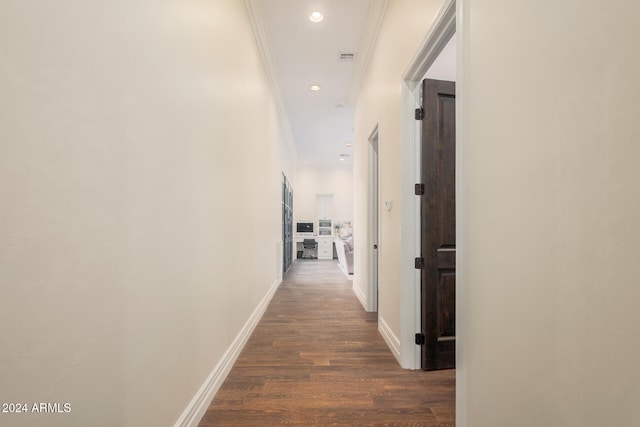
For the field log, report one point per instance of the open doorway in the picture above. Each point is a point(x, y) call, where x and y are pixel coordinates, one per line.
point(440, 37)
point(438, 213)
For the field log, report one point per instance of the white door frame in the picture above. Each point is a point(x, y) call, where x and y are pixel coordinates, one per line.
point(374, 221)
point(440, 32)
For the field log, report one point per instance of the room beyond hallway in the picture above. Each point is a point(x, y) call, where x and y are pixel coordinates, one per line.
point(316, 358)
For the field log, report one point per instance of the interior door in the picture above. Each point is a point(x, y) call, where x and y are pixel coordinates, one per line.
point(438, 225)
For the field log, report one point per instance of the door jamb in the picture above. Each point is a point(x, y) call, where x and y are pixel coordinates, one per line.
point(374, 229)
point(440, 32)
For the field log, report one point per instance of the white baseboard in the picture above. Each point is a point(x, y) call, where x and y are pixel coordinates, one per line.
point(345, 272)
point(200, 402)
point(361, 296)
point(392, 341)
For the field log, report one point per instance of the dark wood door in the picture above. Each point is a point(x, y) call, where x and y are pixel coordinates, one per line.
point(438, 225)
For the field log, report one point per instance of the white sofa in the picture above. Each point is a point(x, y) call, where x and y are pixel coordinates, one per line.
point(344, 249)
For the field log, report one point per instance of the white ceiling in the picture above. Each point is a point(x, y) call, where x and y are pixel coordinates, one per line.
point(300, 53)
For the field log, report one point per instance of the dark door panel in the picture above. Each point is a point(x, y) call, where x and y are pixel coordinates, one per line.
point(438, 225)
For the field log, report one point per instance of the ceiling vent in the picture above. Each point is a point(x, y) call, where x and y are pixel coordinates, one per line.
point(346, 57)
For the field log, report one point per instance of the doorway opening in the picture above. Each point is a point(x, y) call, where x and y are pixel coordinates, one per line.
point(442, 31)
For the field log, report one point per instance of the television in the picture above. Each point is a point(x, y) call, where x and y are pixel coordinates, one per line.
point(304, 227)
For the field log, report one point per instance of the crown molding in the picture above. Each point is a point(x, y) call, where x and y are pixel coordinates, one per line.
point(375, 17)
point(437, 37)
point(253, 10)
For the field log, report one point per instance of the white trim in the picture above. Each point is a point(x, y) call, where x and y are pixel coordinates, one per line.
point(410, 232)
point(462, 49)
point(373, 215)
point(200, 402)
point(375, 16)
point(253, 8)
point(360, 295)
point(345, 272)
point(437, 37)
point(392, 341)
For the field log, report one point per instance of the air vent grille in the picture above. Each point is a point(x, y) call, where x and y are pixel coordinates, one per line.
point(346, 57)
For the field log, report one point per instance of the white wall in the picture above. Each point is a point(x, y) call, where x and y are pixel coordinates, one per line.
point(444, 67)
point(130, 177)
point(311, 181)
point(380, 103)
point(548, 214)
point(547, 210)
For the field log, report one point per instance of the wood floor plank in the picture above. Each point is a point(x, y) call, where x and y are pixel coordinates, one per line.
point(317, 358)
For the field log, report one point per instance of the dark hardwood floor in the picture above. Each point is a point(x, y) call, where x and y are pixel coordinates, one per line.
point(317, 359)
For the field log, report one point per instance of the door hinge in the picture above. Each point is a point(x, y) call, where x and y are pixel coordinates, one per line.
point(420, 340)
point(419, 113)
point(419, 263)
point(419, 189)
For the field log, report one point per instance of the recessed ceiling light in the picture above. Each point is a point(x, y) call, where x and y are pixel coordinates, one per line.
point(316, 17)
point(348, 144)
point(314, 88)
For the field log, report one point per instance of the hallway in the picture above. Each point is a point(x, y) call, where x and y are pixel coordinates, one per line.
point(316, 358)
